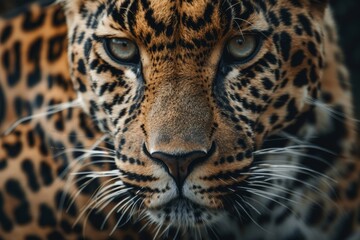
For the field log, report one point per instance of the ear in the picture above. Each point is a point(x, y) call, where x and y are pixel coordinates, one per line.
point(318, 6)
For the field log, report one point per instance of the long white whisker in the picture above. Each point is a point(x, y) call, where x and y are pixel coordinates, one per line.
point(70, 179)
point(282, 177)
point(50, 110)
point(296, 169)
point(248, 214)
point(250, 190)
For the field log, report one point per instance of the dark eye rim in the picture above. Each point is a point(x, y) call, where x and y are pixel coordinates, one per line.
point(135, 61)
point(229, 58)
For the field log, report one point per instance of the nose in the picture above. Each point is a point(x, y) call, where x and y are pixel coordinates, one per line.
point(180, 165)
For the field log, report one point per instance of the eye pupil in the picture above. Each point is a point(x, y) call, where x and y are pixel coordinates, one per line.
point(240, 41)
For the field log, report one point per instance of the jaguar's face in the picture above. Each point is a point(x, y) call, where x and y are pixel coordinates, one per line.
point(188, 90)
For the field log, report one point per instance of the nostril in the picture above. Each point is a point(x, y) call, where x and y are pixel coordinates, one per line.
point(180, 165)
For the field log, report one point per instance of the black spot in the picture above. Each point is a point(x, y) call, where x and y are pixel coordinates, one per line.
point(46, 216)
point(285, 45)
point(97, 219)
point(313, 74)
point(305, 23)
point(81, 37)
point(274, 118)
point(42, 145)
point(267, 83)
point(3, 164)
point(58, 18)
point(260, 128)
point(297, 58)
point(34, 55)
point(89, 186)
point(285, 16)
point(6, 33)
point(14, 68)
point(292, 110)
point(28, 167)
point(55, 235)
point(2, 104)
point(273, 18)
point(312, 48)
point(88, 130)
point(66, 226)
point(22, 213)
point(46, 173)
point(81, 67)
point(87, 48)
point(56, 47)
point(352, 190)
point(32, 237)
point(63, 203)
point(59, 124)
point(296, 3)
point(255, 92)
point(32, 22)
point(18, 106)
point(5, 222)
point(269, 57)
point(14, 189)
point(39, 100)
point(281, 101)
point(301, 78)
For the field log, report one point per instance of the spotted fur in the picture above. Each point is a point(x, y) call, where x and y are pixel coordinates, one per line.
point(185, 143)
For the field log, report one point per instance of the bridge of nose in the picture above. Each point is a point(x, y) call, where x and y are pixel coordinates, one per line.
point(179, 119)
point(178, 126)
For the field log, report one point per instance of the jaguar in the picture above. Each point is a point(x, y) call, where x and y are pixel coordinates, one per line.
point(181, 119)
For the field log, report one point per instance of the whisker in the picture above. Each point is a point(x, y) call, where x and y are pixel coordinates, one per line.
point(250, 205)
point(335, 114)
point(265, 184)
point(70, 179)
point(49, 110)
point(297, 169)
point(293, 147)
point(250, 190)
point(284, 177)
point(248, 214)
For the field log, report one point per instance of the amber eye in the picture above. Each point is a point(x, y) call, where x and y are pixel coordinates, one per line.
point(122, 50)
point(242, 48)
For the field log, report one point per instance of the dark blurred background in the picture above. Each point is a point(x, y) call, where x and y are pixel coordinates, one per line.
point(347, 14)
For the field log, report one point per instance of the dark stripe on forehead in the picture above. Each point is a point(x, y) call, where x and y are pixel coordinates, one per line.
point(118, 15)
point(236, 13)
point(226, 15)
point(158, 26)
point(131, 15)
point(197, 24)
point(186, 20)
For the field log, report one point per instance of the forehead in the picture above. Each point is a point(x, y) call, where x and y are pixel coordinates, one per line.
point(185, 16)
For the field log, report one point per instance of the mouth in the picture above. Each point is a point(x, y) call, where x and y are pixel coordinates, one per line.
point(182, 212)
